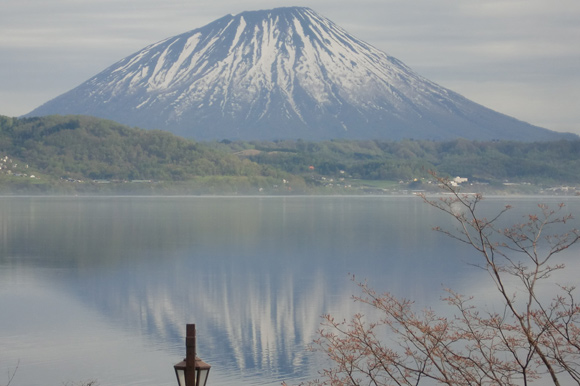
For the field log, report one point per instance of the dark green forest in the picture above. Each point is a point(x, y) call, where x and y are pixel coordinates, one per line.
point(541, 162)
point(78, 154)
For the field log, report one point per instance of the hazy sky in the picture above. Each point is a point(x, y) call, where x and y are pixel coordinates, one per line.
point(518, 57)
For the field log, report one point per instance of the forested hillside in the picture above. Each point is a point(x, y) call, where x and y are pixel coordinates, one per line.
point(555, 162)
point(76, 154)
point(82, 149)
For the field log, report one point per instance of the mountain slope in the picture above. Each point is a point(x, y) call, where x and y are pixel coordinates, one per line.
point(81, 147)
point(281, 73)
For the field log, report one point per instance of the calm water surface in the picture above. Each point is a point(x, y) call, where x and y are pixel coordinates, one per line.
point(101, 288)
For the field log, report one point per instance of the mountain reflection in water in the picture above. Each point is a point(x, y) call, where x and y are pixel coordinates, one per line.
point(108, 284)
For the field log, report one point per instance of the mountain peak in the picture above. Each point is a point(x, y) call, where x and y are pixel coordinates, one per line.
point(280, 73)
point(280, 11)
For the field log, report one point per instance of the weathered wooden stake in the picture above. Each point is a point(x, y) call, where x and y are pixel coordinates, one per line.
point(190, 355)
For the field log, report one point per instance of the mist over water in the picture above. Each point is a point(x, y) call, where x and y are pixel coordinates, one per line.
point(102, 287)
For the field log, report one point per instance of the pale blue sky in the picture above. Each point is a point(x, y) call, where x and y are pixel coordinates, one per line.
point(518, 57)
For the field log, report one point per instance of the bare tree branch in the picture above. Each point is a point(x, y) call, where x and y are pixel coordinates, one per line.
point(532, 339)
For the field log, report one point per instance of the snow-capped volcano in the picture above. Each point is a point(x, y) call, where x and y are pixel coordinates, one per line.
point(281, 73)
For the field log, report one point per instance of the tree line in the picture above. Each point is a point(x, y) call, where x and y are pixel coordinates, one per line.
point(81, 148)
point(88, 148)
point(538, 162)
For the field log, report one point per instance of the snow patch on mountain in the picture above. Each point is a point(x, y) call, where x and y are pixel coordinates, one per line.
point(281, 73)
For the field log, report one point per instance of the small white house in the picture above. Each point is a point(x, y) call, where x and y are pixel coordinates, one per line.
point(458, 180)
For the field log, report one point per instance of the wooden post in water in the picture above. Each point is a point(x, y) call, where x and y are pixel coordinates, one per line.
point(190, 355)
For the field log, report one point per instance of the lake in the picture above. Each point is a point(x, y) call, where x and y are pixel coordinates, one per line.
point(102, 287)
